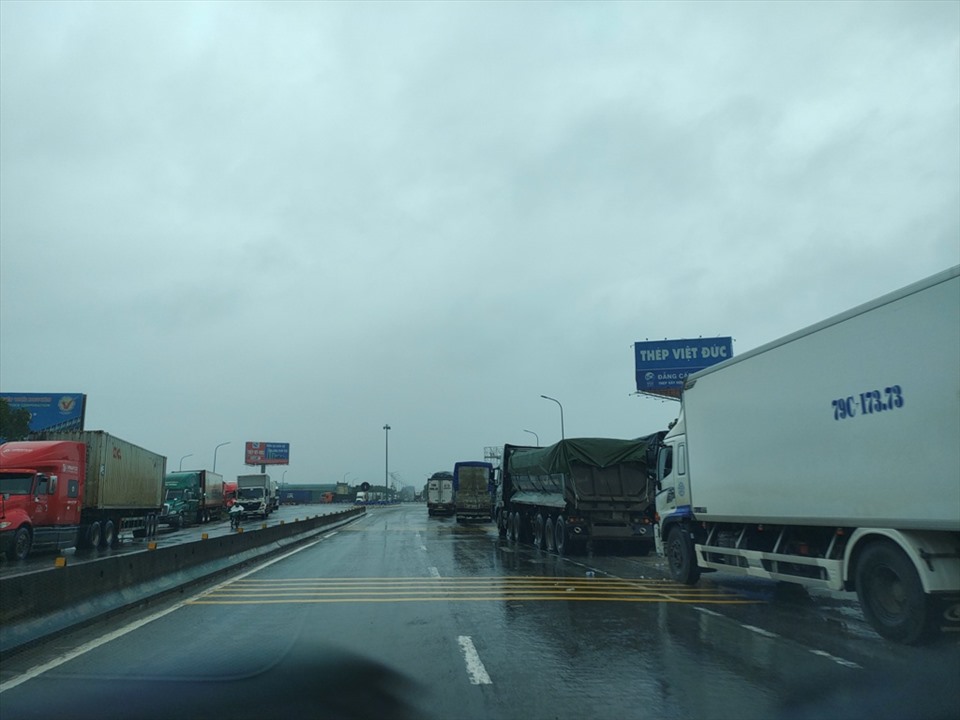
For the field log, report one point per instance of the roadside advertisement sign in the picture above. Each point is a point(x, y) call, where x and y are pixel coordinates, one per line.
point(267, 453)
point(663, 365)
point(58, 412)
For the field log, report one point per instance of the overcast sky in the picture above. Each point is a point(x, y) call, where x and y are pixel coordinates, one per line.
point(298, 222)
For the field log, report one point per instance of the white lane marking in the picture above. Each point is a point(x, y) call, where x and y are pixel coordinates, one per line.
point(434, 572)
point(760, 631)
point(331, 534)
point(838, 660)
point(423, 547)
point(714, 613)
point(475, 669)
point(126, 630)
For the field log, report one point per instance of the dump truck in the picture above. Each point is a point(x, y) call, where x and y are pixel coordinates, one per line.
point(580, 490)
point(192, 496)
point(472, 488)
point(76, 489)
point(830, 458)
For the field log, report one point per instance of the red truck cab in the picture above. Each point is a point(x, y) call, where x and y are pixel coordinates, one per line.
point(41, 491)
point(229, 493)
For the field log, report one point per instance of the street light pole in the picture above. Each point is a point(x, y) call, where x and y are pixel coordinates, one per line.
point(184, 458)
point(386, 456)
point(562, 433)
point(215, 454)
point(535, 435)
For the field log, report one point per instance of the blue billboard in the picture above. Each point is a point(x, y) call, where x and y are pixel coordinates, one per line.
point(663, 365)
point(58, 412)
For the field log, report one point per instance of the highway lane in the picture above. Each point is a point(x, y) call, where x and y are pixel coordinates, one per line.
point(482, 629)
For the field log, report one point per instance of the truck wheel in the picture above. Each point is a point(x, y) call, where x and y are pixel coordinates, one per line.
point(891, 594)
point(20, 547)
point(538, 529)
point(548, 531)
point(680, 556)
point(108, 537)
point(93, 535)
point(513, 523)
point(560, 535)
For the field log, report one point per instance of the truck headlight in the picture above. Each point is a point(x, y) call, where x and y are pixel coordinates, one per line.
point(4, 525)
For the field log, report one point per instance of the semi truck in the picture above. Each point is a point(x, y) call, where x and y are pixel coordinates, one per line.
point(472, 488)
point(830, 458)
point(580, 490)
point(256, 494)
point(76, 489)
point(191, 496)
point(440, 494)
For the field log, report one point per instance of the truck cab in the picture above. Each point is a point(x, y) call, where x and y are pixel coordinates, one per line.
point(41, 487)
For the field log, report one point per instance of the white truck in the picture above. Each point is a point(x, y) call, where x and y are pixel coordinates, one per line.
point(830, 458)
point(256, 494)
point(441, 497)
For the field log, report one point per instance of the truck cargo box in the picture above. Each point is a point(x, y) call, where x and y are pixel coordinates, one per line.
point(851, 422)
point(120, 475)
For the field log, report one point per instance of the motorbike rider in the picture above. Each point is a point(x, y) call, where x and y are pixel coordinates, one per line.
point(235, 512)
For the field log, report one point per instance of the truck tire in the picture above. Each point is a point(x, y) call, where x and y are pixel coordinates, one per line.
point(109, 534)
point(548, 530)
point(681, 557)
point(513, 523)
point(19, 548)
point(891, 594)
point(93, 535)
point(560, 536)
point(539, 527)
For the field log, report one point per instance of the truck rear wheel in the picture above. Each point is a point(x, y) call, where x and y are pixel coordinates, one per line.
point(109, 535)
point(891, 594)
point(512, 526)
point(681, 557)
point(93, 535)
point(19, 548)
point(560, 535)
point(539, 540)
point(548, 531)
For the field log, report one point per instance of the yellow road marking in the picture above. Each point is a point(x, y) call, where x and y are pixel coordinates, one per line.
point(430, 589)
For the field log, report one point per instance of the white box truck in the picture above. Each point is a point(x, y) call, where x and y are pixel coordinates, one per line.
point(255, 494)
point(440, 494)
point(830, 458)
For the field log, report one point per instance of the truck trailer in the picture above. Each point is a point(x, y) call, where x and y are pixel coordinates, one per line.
point(472, 488)
point(562, 496)
point(256, 494)
point(830, 458)
point(440, 494)
point(192, 496)
point(76, 489)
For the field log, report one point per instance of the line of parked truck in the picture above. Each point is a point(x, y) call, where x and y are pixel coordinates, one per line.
point(84, 489)
point(467, 493)
point(829, 458)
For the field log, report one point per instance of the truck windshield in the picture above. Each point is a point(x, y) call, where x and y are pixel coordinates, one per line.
point(16, 483)
point(174, 494)
point(250, 493)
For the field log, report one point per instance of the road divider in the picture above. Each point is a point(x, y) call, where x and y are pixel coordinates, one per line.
point(36, 605)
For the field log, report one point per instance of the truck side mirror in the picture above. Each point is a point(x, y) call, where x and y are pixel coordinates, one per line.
point(52, 487)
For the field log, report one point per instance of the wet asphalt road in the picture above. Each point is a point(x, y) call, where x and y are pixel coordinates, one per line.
point(481, 629)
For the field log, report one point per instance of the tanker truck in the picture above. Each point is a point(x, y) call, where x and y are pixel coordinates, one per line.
point(830, 458)
point(76, 489)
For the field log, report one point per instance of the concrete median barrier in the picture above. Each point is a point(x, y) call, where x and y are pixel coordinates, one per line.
point(37, 605)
